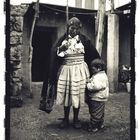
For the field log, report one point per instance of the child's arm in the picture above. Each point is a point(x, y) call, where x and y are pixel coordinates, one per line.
point(90, 86)
point(96, 85)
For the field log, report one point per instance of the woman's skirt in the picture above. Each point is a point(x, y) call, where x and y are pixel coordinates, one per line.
point(72, 79)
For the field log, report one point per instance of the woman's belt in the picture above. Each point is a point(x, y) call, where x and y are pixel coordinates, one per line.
point(73, 59)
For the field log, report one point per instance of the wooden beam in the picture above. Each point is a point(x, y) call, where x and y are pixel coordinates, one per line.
point(113, 52)
point(99, 26)
point(36, 15)
point(112, 5)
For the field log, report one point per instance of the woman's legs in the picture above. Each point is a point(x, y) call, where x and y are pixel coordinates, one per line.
point(65, 121)
point(75, 114)
point(66, 113)
point(76, 122)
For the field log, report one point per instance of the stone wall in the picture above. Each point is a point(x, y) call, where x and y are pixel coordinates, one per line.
point(16, 40)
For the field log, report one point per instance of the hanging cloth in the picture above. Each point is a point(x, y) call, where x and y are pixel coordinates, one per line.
point(47, 105)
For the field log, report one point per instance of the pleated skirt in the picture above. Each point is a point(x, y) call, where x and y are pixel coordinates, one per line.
point(72, 79)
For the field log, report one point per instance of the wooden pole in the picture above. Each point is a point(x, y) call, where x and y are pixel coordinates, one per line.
point(36, 15)
point(113, 51)
point(67, 17)
point(112, 5)
point(67, 11)
point(99, 30)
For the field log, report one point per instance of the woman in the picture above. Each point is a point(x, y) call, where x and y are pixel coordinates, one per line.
point(69, 67)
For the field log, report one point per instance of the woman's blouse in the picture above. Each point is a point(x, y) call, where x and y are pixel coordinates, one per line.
point(75, 46)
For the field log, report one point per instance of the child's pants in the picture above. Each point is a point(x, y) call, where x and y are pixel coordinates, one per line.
point(96, 110)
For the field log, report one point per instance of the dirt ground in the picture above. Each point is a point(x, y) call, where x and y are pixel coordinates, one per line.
point(29, 123)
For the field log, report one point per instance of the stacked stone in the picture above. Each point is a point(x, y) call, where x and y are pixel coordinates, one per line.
point(16, 31)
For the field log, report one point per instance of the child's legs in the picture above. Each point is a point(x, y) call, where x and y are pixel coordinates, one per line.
point(96, 110)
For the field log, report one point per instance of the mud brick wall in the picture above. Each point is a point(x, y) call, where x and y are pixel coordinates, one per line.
point(16, 40)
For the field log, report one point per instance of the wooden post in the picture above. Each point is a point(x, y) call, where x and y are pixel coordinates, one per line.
point(67, 11)
point(99, 26)
point(36, 15)
point(112, 5)
point(113, 51)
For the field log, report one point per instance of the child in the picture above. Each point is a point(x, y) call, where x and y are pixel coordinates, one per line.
point(98, 93)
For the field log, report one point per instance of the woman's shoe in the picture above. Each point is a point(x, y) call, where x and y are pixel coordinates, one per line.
point(77, 124)
point(64, 124)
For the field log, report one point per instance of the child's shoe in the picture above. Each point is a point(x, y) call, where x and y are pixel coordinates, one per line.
point(92, 128)
point(101, 126)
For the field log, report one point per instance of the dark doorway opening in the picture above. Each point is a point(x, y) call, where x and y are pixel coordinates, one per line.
point(42, 42)
point(125, 37)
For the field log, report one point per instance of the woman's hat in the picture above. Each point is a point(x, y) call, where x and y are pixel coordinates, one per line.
point(74, 21)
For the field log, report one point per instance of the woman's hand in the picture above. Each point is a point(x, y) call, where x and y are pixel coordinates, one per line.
point(64, 46)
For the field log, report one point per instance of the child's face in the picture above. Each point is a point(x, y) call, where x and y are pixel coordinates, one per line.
point(95, 70)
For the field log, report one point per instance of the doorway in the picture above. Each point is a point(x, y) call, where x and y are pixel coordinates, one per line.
point(43, 38)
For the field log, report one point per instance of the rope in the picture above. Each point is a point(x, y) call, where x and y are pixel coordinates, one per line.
point(63, 11)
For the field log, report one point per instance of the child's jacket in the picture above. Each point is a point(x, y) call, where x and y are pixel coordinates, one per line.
point(98, 87)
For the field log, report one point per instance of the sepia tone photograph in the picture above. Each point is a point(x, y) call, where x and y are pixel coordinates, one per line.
point(70, 70)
